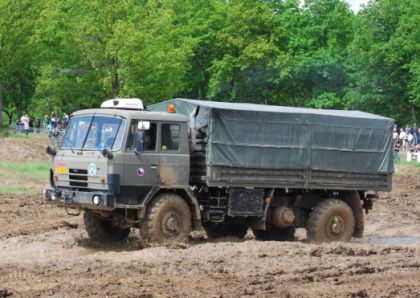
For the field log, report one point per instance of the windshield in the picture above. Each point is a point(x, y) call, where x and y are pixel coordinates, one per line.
point(94, 133)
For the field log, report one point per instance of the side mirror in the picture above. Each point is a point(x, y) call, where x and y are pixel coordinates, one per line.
point(143, 125)
point(51, 151)
point(106, 153)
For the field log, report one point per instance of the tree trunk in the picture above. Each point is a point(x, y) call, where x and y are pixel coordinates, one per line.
point(115, 78)
point(200, 93)
point(413, 114)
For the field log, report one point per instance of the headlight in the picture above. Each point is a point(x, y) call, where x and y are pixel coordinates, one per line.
point(96, 200)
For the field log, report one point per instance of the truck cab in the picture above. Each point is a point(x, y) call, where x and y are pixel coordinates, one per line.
point(114, 161)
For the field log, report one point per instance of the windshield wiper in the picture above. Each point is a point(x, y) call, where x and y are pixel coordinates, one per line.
point(71, 145)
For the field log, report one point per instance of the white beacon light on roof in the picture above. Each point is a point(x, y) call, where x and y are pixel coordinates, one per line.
point(123, 103)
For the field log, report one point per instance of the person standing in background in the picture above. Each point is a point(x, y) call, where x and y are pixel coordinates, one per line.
point(37, 124)
point(395, 136)
point(46, 121)
point(402, 138)
point(415, 135)
point(65, 120)
point(26, 123)
point(410, 141)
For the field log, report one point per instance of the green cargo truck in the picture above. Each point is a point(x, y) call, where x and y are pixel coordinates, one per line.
point(184, 165)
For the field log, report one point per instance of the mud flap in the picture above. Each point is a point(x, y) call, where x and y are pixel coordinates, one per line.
point(352, 198)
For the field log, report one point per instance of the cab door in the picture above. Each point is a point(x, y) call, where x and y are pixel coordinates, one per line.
point(141, 168)
point(174, 154)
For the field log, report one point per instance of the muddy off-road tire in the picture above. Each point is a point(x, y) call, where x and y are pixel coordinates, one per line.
point(275, 234)
point(233, 230)
point(168, 220)
point(102, 230)
point(331, 220)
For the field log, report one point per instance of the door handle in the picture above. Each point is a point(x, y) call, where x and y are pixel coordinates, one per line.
point(153, 167)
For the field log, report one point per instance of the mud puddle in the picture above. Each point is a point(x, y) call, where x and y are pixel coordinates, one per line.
point(388, 240)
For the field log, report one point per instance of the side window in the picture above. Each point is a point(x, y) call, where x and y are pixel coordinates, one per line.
point(147, 136)
point(150, 138)
point(170, 137)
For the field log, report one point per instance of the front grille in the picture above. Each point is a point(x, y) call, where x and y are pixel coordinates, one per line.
point(78, 171)
point(78, 178)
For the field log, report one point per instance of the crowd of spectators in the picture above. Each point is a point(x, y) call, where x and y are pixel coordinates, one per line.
point(406, 139)
point(51, 123)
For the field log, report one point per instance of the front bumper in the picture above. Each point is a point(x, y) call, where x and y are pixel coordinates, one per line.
point(96, 200)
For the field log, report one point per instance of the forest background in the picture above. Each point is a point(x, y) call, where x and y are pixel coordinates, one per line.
point(65, 55)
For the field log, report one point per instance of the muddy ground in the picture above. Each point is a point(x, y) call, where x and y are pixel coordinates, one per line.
point(45, 252)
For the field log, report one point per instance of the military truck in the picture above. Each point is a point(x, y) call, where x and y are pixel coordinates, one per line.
point(184, 165)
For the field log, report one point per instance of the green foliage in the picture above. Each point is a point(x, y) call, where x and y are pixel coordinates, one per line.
point(384, 60)
point(67, 55)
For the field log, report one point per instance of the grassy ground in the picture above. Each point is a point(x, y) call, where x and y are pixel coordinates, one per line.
point(39, 169)
point(5, 132)
point(403, 162)
point(23, 178)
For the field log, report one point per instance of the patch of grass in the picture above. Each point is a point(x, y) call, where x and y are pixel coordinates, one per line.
point(5, 175)
point(399, 173)
point(408, 163)
point(5, 132)
point(38, 170)
point(16, 189)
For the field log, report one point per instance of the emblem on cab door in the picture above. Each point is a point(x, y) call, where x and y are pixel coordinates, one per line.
point(140, 172)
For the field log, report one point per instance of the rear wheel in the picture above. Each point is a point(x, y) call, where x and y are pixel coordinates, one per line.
point(168, 220)
point(100, 229)
point(331, 220)
point(275, 234)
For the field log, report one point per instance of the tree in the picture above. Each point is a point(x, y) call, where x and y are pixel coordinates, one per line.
point(318, 35)
point(254, 54)
point(16, 55)
point(384, 60)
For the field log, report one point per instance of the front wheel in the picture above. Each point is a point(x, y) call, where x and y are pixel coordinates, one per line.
point(168, 220)
point(331, 220)
point(100, 229)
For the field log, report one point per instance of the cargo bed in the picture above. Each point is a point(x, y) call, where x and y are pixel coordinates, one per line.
point(249, 145)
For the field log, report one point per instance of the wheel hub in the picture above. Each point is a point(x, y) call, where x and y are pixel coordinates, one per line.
point(171, 224)
point(336, 225)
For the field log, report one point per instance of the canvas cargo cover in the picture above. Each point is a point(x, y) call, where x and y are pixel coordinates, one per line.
point(276, 137)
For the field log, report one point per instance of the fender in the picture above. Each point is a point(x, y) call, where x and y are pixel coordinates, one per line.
point(352, 198)
point(183, 192)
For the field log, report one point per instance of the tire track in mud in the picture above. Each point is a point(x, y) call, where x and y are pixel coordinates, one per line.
point(248, 268)
point(28, 215)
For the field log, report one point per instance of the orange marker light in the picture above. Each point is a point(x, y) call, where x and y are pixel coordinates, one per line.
point(171, 108)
